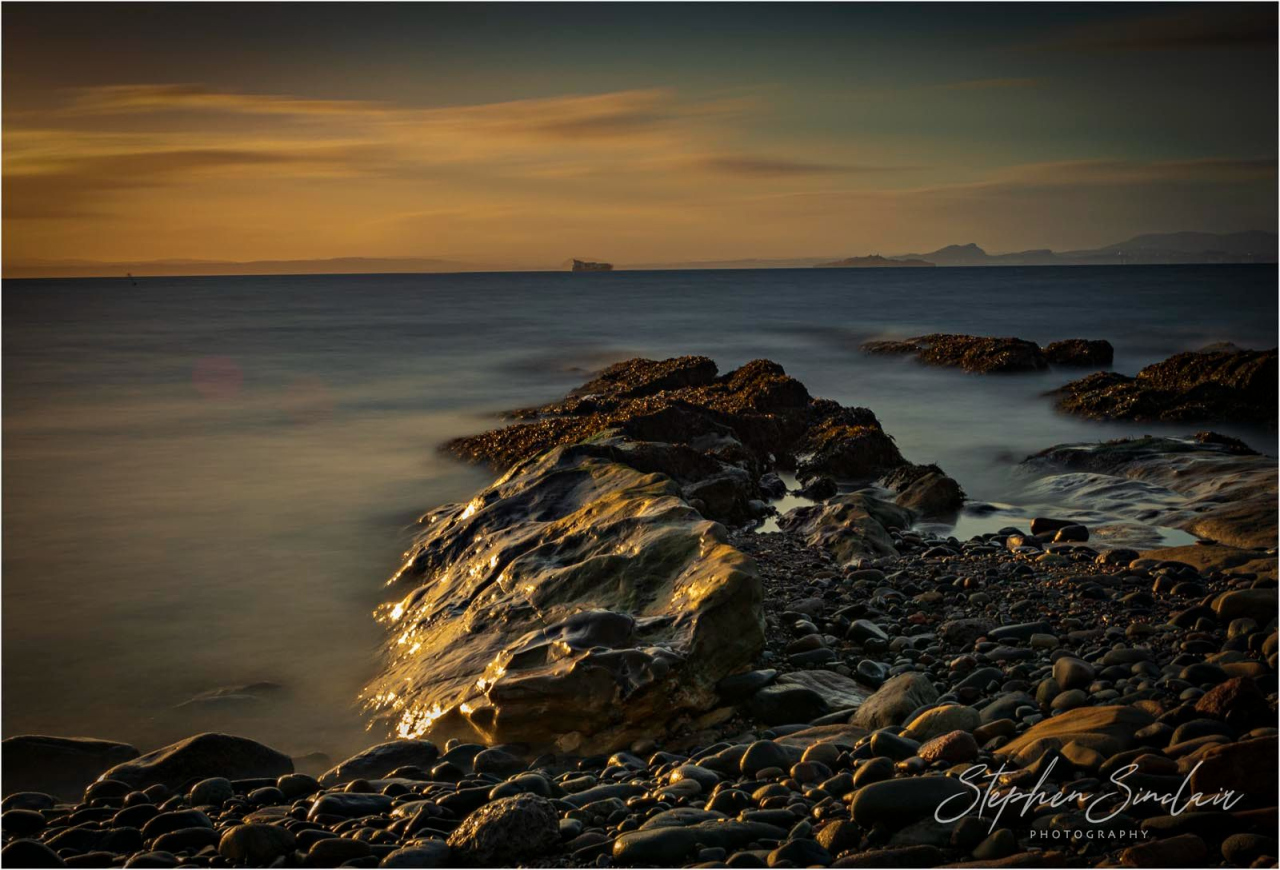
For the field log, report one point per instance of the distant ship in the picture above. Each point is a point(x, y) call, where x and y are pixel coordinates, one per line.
point(588, 266)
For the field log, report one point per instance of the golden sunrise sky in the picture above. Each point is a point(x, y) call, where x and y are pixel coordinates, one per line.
point(524, 134)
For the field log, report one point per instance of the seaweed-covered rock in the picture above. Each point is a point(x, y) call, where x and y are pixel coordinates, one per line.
point(749, 419)
point(973, 353)
point(1080, 352)
point(1186, 387)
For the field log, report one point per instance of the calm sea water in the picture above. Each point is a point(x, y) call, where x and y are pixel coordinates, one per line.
point(206, 480)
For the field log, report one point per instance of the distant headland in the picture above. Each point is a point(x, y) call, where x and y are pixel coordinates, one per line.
point(875, 261)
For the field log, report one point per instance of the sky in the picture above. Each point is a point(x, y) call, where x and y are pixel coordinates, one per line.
point(529, 133)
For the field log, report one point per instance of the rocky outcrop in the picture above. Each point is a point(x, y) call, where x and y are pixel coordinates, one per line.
point(590, 596)
point(989, 355)
point(578, 601)
point(1238, 386)
point(696, 424)
point(1211, 486)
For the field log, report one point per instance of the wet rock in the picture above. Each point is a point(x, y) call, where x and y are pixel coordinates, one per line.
point(377, 761)
point(575, 547)
point(199, 757)
point(1186, 387)
point(1199, 484)
point(255, 845)
point(508, 830)
point(350, 805)
point(849, 526)
point(59, 765)
point(925, 490)
point(893, 702)
point(973, 353)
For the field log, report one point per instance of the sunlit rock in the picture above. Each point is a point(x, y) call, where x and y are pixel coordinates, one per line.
point(576, 599)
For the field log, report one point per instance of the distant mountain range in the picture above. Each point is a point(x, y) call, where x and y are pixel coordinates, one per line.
point(1155, 249)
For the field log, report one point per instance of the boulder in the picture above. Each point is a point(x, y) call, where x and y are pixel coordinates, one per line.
point(377, 761)
point(1245, 602)
point(850, 527)
point(1112, 727)
point(925, 490)
point(893, 702)
point(511, 830)
point(200, 757)
point(58, 765)
point(577, 595)
point(255, 845)
point(1247, 768)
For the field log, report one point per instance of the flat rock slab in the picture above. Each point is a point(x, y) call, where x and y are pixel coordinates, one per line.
point(837, 690)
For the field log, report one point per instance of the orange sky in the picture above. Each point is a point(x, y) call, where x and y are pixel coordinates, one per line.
point(640, 164)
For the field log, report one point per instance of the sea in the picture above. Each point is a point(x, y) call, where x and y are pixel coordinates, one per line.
point(208, 480)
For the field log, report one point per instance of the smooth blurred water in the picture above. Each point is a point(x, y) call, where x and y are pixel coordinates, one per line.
point(206, 480)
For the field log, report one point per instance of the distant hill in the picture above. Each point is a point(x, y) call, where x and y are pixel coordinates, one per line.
point(875, 261)
point(1153, 249)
